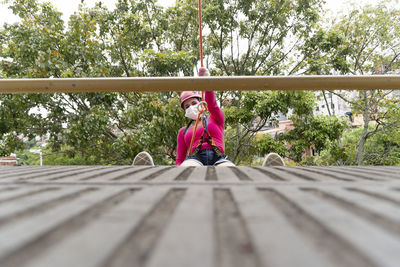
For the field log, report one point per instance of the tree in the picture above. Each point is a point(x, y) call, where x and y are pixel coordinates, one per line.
point(367, 42)
point(381, 149)
point(97, 42)
point(256, 38)
point(139, 38)
point(250, 111)
point(384, 148)
point(268, 144)
point(317, 132)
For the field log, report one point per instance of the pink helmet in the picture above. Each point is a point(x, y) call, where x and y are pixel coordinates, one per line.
point(188, 94)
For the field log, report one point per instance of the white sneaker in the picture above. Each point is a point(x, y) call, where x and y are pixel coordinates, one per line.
point(273, 159)
point(143, 158)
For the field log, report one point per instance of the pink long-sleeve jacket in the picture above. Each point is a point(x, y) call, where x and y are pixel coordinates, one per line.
point(215, 129)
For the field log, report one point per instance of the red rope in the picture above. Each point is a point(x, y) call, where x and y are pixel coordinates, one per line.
point(201, 36)
point(201, 43)
point(194, 134)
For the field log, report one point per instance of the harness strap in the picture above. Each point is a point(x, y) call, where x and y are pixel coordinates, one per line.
point(211, 142)
point(187, 127)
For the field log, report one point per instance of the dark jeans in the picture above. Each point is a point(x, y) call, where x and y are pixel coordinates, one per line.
point(208, 157)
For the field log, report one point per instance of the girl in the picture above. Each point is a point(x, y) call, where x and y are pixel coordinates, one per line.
point(208, 144)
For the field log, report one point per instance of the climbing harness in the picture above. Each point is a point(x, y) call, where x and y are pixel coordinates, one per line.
point(202, 107)
point(203, 114)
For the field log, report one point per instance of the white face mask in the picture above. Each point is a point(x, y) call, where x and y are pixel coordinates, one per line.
point(192, 112)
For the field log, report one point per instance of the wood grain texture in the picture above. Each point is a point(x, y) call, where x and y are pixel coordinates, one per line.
point(199, 216)
point(158, 84)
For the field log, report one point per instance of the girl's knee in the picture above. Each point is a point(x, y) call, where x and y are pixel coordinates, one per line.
point(226, 163)
point(191, 162)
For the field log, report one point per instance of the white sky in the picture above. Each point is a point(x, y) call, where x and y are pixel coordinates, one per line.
point(67, 7)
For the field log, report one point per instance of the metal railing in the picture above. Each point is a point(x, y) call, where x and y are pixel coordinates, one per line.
point(158, 84)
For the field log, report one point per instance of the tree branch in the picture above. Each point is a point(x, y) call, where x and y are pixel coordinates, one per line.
point(221, 49)
point(250, 42)
point(345, 99)
point(326, 102)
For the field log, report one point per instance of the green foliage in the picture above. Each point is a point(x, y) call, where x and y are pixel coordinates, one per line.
point(317, 132)
point(362, 42)
point(267, 144)
point(64, 156)
point(140, 38)
point(102, 128)
point(264, 27)
point(381, 149)
point(167, 63)
point(16, 121)
point(248, 113)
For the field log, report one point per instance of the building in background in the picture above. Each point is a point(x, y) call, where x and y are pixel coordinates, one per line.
point(9, 161)
point(332, 105)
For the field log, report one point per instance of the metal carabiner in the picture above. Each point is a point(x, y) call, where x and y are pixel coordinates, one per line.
point(202, 106)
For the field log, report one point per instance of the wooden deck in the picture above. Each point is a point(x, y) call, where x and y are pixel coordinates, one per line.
point(203, 216)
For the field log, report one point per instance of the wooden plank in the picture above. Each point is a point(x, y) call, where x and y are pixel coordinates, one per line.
point(306, 174)
point(139, 245)
point(33, 203)
point(280, 175)
point(7, 169)
point(18, 170)
point(234, 246)
point(169, 176)
point(365, 176)
point(226, 83)
point(31, 172)
point(97, 174)
point(394, 169)
point(22, 192)
point(380, 193)
point(185, 174)
point(188, 238)
point(254, 174)
point(241, 174)
point(225, 174)
point(360, 235)
point(272, 234)
point(92, 244)
point(198, 174)
point(381, 172)
point(5, 188)
point(380, 212)
point(88, 171)
point(54, 173)
point(387, 173)
point(335, 175)
point(208, 216)
point(146, 173)
point(15, 237)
